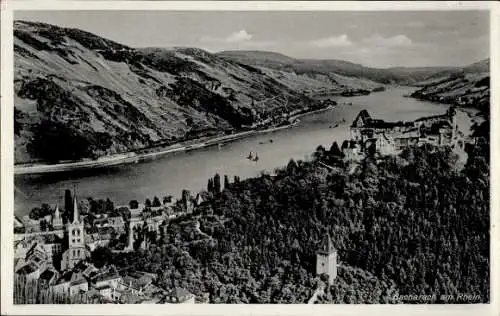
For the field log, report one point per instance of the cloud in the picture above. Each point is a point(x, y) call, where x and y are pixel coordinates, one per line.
point(239, 37)
point(332, 41)
point(398, 40)
point(236, 37)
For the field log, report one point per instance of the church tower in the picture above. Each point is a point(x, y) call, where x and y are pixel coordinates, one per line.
point(75, 228)
point(76, 241)
point(57, 222)
point(326, 259)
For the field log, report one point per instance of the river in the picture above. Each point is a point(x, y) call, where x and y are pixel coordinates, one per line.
point(191, 170)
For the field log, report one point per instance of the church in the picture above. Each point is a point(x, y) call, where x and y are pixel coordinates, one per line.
point(75, 233)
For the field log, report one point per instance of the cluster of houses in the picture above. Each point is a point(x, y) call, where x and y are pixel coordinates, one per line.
point(58, 258)
point(375, 136)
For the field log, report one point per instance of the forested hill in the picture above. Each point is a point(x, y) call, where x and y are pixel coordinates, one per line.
point(394, 75)
point(408, 225)
point(468, 87)
point(80, 95)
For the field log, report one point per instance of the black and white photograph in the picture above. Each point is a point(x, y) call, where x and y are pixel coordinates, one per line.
point(250, 157)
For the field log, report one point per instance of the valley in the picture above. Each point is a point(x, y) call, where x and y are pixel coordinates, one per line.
point(146, 171)
point(82, 97)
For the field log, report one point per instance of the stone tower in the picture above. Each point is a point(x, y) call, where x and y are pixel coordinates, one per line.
point(134, 222)
point(452, 115)
point(326, 259)
point(76, 235)
point(130, 240)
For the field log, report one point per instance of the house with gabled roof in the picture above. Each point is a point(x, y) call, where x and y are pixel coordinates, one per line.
point(48, 278)
point(179, 296)
point(72, 283)
point(106, 277)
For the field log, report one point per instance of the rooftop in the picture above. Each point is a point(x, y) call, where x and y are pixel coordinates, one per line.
point(179, 293)
point(27, 269)
point(47, 274)
point(106, 277)
point(326, 246)
point(135, 283)
point(381, 124)
point(129, 298)
point(51, 239)
point(71, 276)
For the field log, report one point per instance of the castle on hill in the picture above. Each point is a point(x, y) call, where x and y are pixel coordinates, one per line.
point(375, 136)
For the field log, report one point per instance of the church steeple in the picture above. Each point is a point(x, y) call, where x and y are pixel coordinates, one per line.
point(75, 232)
point(76, 215)
point(56, 219)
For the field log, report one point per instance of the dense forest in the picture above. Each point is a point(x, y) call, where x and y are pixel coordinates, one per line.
point(408, 224)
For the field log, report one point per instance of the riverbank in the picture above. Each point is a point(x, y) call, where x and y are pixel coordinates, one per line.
point(135, 157)
point(170, 174)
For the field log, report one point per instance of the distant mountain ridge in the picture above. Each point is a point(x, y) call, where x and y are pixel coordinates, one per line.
point(398, 75)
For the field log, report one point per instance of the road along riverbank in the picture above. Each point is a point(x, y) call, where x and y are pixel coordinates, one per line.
point(134, 157)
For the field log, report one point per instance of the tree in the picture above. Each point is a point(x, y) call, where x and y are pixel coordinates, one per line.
point(54, 141)
point(319, 153)
point(186, 195)
point(134, 204)
point(35, 213)
point(291, 167)
point(156, 202)
point(167, 199)
point(68, 203)
point(101, 256)
point(148, 202)
point(335, 150)
point(210, 186)
point(110, 207)
point(226, 182)
point(217, 184)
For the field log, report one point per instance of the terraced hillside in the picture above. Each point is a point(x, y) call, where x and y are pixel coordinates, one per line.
point(80, 95)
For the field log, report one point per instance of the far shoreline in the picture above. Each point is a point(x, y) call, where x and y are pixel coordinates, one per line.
point(135, 157)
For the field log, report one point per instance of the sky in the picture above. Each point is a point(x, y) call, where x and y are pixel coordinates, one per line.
point(377, 39)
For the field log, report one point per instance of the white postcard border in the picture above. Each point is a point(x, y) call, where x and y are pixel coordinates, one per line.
point(7, 158)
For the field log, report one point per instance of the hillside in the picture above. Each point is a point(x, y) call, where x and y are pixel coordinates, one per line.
point(79, 95)
point(399, 75)
point(470, 86)
point(401, 225)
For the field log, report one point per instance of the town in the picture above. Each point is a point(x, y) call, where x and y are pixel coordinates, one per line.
point(53, 255)
point(53, 249)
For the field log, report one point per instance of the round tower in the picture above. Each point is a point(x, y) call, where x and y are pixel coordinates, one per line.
point(326, 259)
